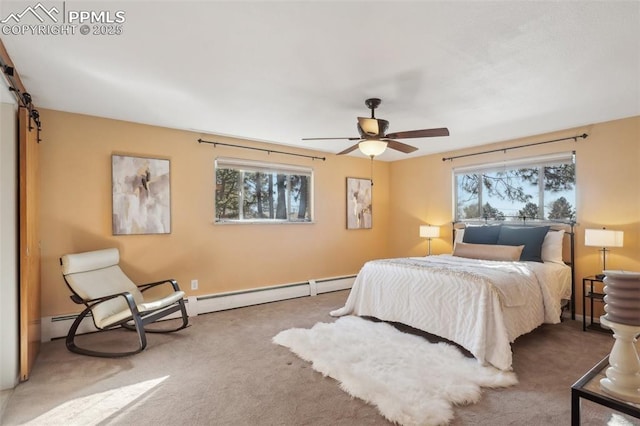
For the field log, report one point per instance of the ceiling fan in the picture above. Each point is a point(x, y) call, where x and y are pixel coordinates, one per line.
point(373, 138)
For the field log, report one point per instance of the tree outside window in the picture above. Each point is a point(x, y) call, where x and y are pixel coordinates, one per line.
point(541, 189)
point(256, 192)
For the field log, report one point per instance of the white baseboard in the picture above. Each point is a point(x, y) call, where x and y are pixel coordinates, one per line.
point(58, 326)
point(334, 284)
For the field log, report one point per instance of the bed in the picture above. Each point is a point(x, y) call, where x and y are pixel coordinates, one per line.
point(476, 297)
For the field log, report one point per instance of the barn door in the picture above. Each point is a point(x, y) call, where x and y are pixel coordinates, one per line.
point(29, 245)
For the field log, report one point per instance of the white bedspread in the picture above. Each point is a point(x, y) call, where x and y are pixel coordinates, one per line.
point(481, 305)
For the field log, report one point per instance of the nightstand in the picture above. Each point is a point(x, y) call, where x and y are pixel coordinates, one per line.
point(592, 289)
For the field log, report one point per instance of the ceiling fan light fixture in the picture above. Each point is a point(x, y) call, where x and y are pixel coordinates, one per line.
point(372, 127)
point(374, 139)
point(372, 147)
point(369, 126)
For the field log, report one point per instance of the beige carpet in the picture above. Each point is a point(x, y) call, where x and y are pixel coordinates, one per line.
point(224, 370)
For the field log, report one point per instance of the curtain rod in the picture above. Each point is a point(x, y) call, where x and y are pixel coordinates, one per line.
point(575, 139)
point(268, 151)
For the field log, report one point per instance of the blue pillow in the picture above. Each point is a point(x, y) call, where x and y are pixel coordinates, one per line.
point(481, 234)
point(531, 238)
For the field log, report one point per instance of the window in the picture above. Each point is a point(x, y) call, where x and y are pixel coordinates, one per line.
point(535, 188)
point(248, 191)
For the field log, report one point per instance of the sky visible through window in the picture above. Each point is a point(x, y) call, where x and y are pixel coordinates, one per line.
point(541, 192)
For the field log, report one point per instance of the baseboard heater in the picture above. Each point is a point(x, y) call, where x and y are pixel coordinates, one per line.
point(55, 327)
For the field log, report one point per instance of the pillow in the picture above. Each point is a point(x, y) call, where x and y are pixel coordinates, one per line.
point(531, 238)
point(552, 247)
point(481, 234)
point(487, 251)
point(459, 235)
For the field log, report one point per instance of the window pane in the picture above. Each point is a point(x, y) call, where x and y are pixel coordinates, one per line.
point(265, 192)
point(468, 199)
point(560, 191)
point(227, 202)
point(300, 197)
point(540, 191)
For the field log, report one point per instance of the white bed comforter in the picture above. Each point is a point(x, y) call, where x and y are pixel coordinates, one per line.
point(481, 305)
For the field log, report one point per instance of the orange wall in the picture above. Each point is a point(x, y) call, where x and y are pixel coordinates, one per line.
point(76, 212)
point(608, 192)
point(76, 206)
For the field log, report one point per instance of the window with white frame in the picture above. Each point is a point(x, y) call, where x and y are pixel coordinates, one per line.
point(251, 191)
point(536, 188)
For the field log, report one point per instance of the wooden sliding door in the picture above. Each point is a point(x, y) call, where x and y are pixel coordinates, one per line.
point(29, 245)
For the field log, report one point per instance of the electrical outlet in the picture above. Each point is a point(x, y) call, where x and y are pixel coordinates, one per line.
point(194, 284)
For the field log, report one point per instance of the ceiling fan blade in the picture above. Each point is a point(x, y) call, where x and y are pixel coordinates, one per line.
point(399, 146)
point(324, 139)
point(425, 133)
point(348, 150)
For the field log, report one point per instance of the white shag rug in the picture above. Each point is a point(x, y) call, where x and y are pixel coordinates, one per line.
point(410, 380)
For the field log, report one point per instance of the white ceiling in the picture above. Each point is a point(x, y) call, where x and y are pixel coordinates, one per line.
point(279, 71)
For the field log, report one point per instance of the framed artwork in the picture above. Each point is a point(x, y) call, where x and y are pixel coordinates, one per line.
point(141, 195)
point(359, 207)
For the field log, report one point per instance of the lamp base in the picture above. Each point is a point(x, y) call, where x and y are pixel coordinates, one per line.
point(623, 375)
point(600, 276)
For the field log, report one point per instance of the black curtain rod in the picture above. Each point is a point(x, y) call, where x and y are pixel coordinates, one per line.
point(268, 151)
point(575, 139)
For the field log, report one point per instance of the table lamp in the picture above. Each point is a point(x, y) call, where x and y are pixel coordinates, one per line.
point(603, 238)
point(429, 232)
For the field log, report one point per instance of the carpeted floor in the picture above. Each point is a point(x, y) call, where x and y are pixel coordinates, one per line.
point(224, 370)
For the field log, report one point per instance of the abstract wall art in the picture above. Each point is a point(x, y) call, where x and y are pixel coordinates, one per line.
point(359, 206)
point(141, 195)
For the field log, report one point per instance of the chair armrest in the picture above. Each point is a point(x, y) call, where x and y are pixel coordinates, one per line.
point(145, 287)
point(78, 299)
point(93, 302)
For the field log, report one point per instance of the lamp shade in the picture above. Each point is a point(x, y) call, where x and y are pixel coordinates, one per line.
point(603, 238)
point(372, 147)
point(428, 231)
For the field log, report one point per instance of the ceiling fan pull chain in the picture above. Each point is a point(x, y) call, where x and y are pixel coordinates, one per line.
point(371, 179)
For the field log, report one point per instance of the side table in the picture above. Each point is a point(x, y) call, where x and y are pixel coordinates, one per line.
point(588, 387)
point(590, 292)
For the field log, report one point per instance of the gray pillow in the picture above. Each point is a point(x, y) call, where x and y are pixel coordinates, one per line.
point(482, 234)
point(531, 238)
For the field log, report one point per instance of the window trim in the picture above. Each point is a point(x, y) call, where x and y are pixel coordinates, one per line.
point(523, 162)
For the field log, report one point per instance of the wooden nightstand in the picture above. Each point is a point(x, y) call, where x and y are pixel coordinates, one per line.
point(592, 289)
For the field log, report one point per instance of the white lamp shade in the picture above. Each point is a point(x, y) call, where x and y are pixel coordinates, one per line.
point(372, 147)
point(427, 231)
point(603, 238)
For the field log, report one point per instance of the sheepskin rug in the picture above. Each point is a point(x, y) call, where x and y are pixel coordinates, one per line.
point(410, 380)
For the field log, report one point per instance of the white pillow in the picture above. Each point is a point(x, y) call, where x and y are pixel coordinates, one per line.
point(459, 235)
point(552, 247)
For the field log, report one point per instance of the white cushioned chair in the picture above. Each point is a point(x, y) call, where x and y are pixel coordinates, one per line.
point(96, 281)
